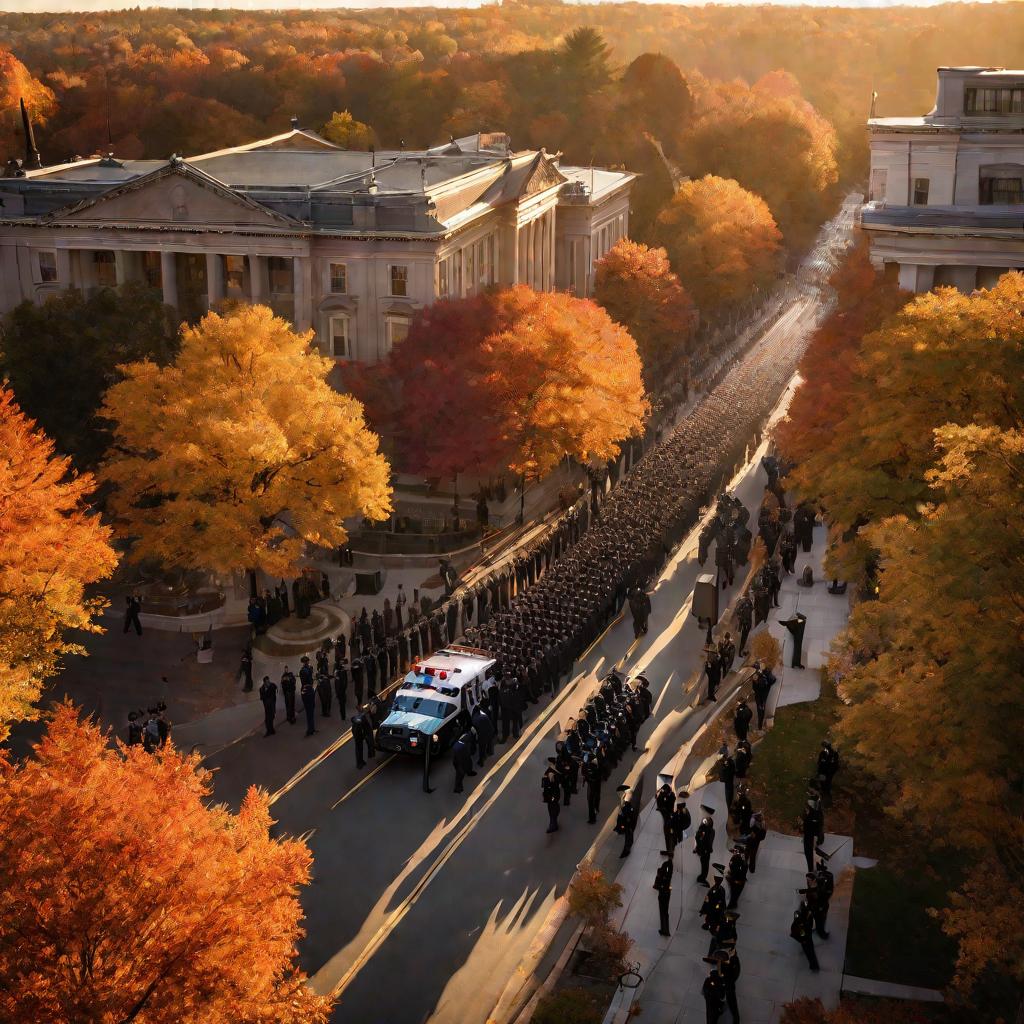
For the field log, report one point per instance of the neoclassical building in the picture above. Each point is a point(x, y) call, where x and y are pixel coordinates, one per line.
point(946, 194)
point(347, 243)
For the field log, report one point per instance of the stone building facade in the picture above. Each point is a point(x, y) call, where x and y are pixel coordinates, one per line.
point(348, 244)
point(946, 193)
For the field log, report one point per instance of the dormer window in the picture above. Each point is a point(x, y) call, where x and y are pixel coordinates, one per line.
point(994, 101)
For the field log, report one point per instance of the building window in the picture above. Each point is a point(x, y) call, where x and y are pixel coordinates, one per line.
point(47, 263)
point(280, 271)
point(396, 330)
point(920, 191)
point(876, 190)
point(442, 279)
point(338, 334)
point(1002, 191)
point(234, 276)
point(105, 267)
point(399, 279)
point(994, 101)
point(339, 279)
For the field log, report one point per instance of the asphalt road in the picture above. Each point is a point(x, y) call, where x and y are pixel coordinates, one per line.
point(423, 906)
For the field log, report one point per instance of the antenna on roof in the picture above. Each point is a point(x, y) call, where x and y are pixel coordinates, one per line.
point(32, 158)
point(295, 124)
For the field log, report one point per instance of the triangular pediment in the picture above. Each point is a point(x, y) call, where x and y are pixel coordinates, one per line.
point(543, 175)
point(176, 195)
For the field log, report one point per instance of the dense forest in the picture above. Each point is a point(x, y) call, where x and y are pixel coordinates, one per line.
point(154, 82)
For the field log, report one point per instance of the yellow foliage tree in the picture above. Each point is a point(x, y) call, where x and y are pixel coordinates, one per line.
point(345, 131)
point(51, 548)
point(240, 451)
point(721, 240)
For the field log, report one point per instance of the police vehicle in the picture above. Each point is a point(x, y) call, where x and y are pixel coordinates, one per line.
point(435, 701)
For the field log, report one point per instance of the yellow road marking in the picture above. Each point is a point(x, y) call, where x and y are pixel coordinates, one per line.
point(363, 781)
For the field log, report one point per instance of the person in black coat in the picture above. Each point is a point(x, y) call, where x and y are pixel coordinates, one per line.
point(727, 773)
point(341, 687)
point(741, 719)
point(753, 839)
point(704, 843)
point(550, 791)
point(625, 825)
point(362, 735)
point(663, 884)
point(593, 778)
point(678, 824)
point(462, 759)
point(484, 734)
point(288, 690)
point(307, 692)
point(323, 690)
point(268, 694)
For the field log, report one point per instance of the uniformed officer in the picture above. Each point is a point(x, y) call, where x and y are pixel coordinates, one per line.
point(307, 692)
point(727, 773)
point(704, 842)
point(714, 904)
point(813, 827)
point(268, 694)
point(362, 735)
point(727, 652)
point(665, 802)
point(743, 756)
point(801, 931)
point(550, 794)
point(743, 809)
point(484, 734)
point(663, 884)
point(593, 777)
point(745, 619)
point(753, 839)
point(288, 690)
point(730, 971)
point(828, 765)
point(736, 875)
point(741, 719)
point(462, 759)
point(713, 991)
point(625, 825)
point(713, 670)
point(678, 823)
point(323, 689)
point(825, 884)
point(568, 771)
point(341, 687)
point(761, 685)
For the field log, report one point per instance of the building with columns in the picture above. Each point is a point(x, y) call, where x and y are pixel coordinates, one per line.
point(946, 193)
point(348, 244)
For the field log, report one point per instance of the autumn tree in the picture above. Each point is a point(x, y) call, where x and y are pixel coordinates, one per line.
point(239, 452)
point(129, 897)
point(515, 379)
point(943, 358)
point(570, 377)
point(60, 357)
point(16, 84)
point(636, 286)
point(656, 96)
point(774, 143)
point(345, 131)
point(721, 240)
point(51, 549)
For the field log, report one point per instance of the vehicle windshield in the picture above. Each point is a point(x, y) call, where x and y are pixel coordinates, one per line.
point(422, 706)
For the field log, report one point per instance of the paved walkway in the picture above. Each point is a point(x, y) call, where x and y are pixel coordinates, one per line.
point(774, 969)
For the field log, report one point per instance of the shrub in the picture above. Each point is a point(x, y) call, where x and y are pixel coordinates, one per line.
point(569, 1006)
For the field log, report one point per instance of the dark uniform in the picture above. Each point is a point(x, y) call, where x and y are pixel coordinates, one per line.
point(757, 834)
point(462, 759)
point(678, 824)
point(323, 689)
point(592, 777)
point(730, 970)
point(737, 876)
point(268, 694)
point(727, 773)
point(825, 885)
point(741, 719)
point(801, 931)
point(484, 734)
point(714, 996)
point(713, 906)
point(665, 801)
point(813, 827)
point(761, 685)
point(663, 883)
point(308, 695)
point(704, 843)
point(341, 688)
point(828, 765)
point(626, 824)
point(745, 619)
point(362, 736)
point(551, 795)
point(288, 689)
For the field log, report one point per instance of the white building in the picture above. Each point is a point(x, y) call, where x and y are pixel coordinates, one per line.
point(347, 243)
point(946, 193)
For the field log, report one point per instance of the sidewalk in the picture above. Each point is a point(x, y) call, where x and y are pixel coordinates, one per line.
point(774, 969)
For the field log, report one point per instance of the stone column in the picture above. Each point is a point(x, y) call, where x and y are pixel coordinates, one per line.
point(302, 285)
point(964, 279)
point(916, 277)
point(258, 287)
point(169, 278)
point(64, 276)
point(214, 279)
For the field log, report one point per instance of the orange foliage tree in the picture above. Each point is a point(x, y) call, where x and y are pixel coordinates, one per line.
point(127, 897)
point(51, 548)
point(515, 379)
point(636, 286)
point(17, 83)
point(721, 239)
